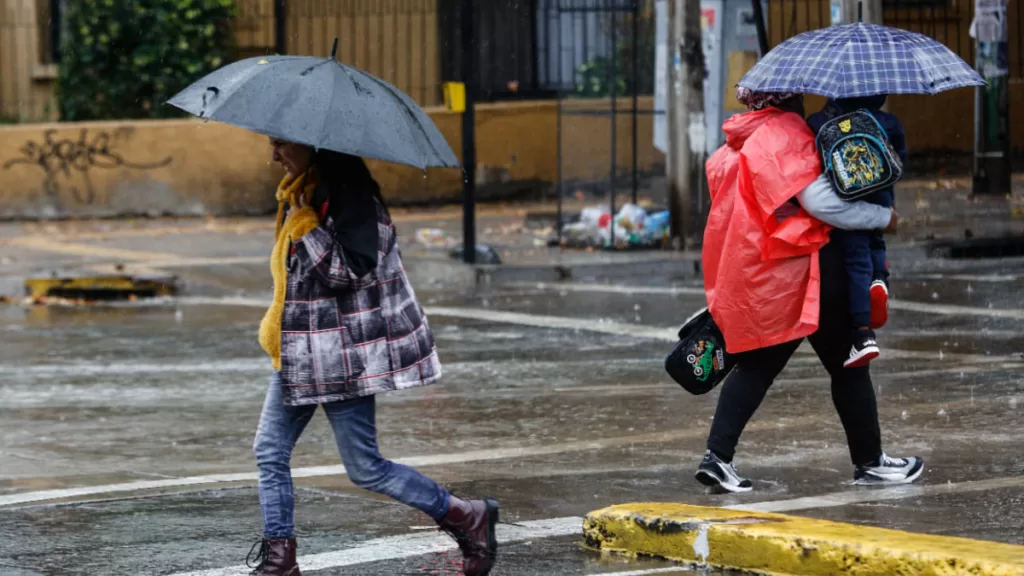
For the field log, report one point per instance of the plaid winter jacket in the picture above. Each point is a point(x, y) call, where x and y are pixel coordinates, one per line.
point(344, 337)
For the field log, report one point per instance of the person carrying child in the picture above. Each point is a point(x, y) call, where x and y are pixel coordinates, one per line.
point(864, 251)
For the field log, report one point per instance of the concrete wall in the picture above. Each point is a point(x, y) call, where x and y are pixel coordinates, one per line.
point(185, 167)
point(139, 167)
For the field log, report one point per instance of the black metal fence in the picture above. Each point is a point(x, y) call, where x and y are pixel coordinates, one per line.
point(526, 49)
point(583, 45)
point(415, 44)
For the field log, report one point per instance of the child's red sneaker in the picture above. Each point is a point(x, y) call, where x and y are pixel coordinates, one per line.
point(879, 304)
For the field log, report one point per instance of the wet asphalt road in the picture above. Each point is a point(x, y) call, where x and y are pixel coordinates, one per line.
point(554, 422)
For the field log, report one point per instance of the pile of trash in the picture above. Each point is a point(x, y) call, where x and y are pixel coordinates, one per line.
point(633, 228)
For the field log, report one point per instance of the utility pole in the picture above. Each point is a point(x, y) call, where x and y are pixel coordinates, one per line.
point(685, 116)
point(468, 22)
point(991, 173)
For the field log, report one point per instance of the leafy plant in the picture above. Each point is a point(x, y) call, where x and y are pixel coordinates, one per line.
point(593, 75)
point(126, 58)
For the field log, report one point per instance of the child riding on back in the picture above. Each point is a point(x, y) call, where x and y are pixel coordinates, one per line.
point(864, 252)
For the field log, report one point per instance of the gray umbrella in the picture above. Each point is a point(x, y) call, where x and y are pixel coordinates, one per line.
point(322, 103)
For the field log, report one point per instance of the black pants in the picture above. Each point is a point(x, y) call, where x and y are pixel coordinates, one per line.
point(852, 392)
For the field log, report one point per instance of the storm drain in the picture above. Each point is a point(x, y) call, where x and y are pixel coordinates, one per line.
point(100, 288)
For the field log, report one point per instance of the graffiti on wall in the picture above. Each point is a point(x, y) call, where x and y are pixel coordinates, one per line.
point(67, 163)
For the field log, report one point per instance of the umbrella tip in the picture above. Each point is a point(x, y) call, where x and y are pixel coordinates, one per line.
point(334, 48)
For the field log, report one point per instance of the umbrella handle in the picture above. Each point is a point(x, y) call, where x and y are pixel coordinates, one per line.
point(215, 91)
point(334, 48)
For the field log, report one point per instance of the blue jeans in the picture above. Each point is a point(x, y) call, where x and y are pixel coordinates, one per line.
point(864, 254)
point(355, 431)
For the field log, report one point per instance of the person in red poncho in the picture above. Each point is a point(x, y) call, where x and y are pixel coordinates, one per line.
point(772, 279)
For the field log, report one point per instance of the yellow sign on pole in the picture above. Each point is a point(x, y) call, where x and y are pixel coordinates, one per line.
point(455, 96)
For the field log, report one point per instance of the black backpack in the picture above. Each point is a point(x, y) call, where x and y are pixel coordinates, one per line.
point(699, 361)
point(856, 155)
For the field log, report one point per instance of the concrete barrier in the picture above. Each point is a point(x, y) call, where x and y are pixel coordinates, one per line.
point(778, 544)
point(189, 167)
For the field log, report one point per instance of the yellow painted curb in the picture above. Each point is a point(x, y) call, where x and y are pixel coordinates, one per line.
point(779, 544)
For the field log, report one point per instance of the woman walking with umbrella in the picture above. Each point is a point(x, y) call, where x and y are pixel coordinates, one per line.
point(345, 324)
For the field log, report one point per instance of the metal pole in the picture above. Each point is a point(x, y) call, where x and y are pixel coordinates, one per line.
point(613, 85)
point(468, 24)
point(557, 61)
point(991, 102)
point(559, 191)
point(672, 110)
point(280, 26)
point(636, 89)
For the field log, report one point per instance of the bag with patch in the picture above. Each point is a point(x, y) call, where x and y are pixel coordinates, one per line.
point(699, 361)
point(856, 155)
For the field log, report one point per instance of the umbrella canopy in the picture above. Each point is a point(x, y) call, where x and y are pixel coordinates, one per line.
point(860, 60)
point(322, 103)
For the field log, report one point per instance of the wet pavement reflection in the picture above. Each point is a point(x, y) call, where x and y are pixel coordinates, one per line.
point(554, 422)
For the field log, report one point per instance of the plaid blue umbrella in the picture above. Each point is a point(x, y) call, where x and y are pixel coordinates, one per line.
point(860, 60)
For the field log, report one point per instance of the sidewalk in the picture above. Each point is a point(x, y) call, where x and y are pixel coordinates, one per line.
point(218, 256)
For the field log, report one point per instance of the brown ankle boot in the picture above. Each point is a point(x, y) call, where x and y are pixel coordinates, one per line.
point(471, 523)
point(276, 557)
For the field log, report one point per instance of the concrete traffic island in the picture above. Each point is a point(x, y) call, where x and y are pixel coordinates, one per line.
point(787, 545)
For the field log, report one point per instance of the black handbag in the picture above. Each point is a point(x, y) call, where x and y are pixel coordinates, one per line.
point(699, 361)
point(856, 155)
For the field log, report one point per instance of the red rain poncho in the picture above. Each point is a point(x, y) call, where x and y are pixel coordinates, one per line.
point(761, 274)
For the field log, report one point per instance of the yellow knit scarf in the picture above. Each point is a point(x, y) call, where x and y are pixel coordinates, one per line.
point(289, 229)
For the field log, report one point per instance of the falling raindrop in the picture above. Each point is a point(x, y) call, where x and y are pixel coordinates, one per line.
point(905, 415)
point(1013, 402)
point(941, 412)
point(935, 295)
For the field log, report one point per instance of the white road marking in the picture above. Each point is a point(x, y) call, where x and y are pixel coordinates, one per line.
point(675, 570)
point(964, 277)
point(419, 544)
point(339, 470)
point(857, 495)
point(411, 545)
point(615, 328)
point(905, 305)
point(254, 364)
point(542, 321)
point(955, 310)
point(488, 315)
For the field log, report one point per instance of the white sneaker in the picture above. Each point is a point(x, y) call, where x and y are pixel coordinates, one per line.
point(721, 476)
point(864, 349)
point(889, 471)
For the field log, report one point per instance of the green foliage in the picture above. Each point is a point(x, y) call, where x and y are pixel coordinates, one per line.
point(126, 58)
point(592, 76)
